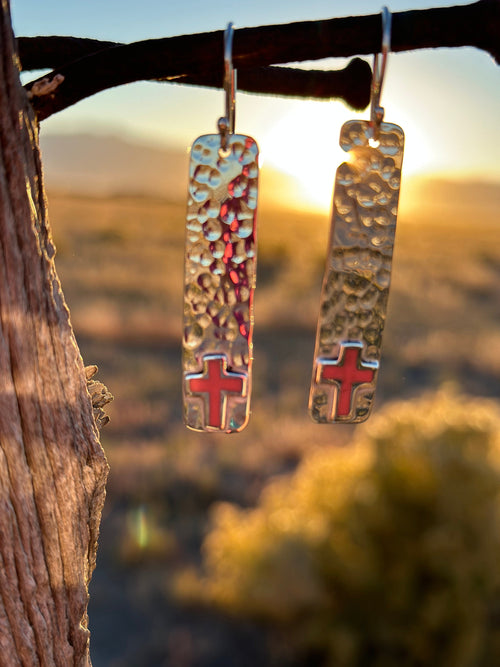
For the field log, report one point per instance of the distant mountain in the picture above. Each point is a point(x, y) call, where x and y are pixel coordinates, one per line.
point(105, 165)
point(466, 201)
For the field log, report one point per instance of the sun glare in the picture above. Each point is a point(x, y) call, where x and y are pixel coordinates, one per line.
point(304, 144)
point(420, 153)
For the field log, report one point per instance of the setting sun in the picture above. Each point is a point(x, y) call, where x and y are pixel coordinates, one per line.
point(304, 144)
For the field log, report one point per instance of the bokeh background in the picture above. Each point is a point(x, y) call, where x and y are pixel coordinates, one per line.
point(290, 544)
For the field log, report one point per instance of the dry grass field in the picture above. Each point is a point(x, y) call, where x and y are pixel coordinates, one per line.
point(120, 261)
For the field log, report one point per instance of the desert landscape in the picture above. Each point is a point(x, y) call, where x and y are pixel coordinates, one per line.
point(120, 260)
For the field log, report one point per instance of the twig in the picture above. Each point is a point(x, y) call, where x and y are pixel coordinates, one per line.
point(293, 82)
point(198, 58)
point(56, 52)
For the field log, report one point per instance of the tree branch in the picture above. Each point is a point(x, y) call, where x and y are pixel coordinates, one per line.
point(198, 58)
point(56, 52)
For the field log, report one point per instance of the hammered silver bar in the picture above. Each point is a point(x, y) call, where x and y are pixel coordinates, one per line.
point(356, 282)
point(220, 263)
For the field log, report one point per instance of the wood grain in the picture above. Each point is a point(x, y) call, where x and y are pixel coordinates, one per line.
point(52, 468)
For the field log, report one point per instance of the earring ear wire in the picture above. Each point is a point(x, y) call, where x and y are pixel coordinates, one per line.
point(226, 123)
point(379, 65)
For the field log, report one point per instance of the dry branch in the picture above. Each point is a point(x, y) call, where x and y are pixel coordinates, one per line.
point(56, 52)
point(198, 58)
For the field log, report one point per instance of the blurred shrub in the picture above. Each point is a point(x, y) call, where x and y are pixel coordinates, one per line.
point(383, 554)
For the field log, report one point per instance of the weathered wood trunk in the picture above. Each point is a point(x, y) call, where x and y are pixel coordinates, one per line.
point(52, 468)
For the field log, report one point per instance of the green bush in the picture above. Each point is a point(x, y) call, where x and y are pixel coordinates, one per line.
point(385, 553)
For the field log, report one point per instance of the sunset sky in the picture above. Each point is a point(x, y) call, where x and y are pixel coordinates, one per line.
point(447, 101)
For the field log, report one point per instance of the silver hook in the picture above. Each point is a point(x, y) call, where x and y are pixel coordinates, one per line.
point(376, 111)
point(226, 123)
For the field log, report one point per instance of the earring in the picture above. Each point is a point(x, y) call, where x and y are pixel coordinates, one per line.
point(356, 281)
point(219, 277)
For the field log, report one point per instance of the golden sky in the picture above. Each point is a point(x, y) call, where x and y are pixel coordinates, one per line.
point(447, 100)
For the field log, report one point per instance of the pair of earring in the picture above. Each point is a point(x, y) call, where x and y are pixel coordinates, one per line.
point(220, 267)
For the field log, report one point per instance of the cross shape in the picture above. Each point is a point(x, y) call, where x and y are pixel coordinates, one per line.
point(217, 382)
point(348, 371)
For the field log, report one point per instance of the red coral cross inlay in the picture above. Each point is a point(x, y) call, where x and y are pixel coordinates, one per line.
point(217, 382)
point(348, 372)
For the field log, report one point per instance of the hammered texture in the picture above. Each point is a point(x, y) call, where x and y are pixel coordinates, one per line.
point(220, 265)
point(357, 276)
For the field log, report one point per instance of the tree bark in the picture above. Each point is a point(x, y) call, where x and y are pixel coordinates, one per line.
point(52, 468)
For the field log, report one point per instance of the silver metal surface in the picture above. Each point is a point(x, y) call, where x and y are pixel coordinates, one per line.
point(357, 276)
point(227, 122)
point(379, 65)
point(220, 265)
point(229, 77)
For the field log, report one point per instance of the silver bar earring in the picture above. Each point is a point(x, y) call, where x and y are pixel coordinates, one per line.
point(220, 265)
point(358, 270)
